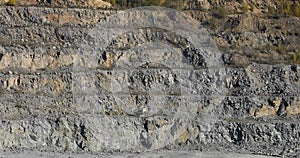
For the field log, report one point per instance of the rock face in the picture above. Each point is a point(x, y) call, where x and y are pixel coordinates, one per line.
point(166, 153)
point(80, 3)
point(260, 30)
point(139, 80)
point(92, 4)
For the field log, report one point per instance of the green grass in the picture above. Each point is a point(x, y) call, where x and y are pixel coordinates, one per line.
point(296, 58)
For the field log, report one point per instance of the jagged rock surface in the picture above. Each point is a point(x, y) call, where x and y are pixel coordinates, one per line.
point(251, 109)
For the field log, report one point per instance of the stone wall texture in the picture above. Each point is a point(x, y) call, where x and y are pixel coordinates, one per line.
point(82, 80)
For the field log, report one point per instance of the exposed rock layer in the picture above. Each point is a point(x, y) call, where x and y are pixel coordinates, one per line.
point(253, 109)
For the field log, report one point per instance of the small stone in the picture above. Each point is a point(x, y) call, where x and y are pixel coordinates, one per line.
point(145, 110)
point(44, 20)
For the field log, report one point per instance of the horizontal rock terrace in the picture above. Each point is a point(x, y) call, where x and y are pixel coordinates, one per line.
point(50, 101)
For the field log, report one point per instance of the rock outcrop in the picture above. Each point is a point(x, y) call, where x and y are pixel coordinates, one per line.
point(92, 4)
point(66, 88)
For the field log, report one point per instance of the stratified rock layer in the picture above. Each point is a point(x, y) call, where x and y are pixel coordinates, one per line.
point(62, 90)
